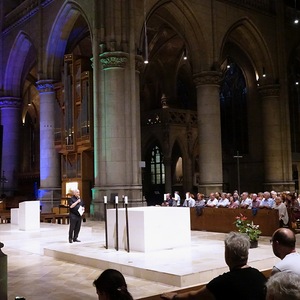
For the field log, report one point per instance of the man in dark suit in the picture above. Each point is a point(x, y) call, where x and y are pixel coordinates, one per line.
point(76, 210)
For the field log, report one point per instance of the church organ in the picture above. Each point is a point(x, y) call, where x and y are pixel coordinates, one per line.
point(73, 133)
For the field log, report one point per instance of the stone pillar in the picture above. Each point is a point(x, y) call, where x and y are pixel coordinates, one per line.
point(117, 135)
point(11, 121)
point(50, 179)
point(273, 141)
point(209, 127)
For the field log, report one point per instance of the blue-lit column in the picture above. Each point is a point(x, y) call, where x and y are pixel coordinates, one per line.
point(11, 121)
point(50, 179)
point(209, 127)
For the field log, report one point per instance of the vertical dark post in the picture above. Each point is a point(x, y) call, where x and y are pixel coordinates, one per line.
point(117, 224)
point(238, 157)
point(3, 274)
point(105, 220)
point(123, 199)
point(127, 224)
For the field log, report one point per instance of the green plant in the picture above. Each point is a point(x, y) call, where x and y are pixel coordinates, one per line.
point(245, 226)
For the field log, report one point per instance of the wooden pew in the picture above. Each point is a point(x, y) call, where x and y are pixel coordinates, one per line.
point(222, 219)
point(267, 274)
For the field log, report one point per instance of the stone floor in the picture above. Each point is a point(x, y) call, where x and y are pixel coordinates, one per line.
point(43, 265)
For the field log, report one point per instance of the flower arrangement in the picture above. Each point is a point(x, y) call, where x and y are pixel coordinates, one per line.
point(245, 226)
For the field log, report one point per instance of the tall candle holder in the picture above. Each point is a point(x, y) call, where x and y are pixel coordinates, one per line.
point(105, 221)
point(117, 223)
point(127, 227)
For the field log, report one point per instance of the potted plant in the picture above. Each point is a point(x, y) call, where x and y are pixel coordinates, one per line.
point(247, 227)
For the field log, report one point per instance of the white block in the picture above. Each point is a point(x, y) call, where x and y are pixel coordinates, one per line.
point(29, 215)
point(14, 216)
point(150, 228)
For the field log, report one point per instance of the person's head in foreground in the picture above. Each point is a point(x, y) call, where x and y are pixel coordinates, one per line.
point(283, 286)
point(236, 250)
point(111, 285)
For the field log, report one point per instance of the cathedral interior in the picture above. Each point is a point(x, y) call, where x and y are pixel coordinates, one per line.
point(145, 97)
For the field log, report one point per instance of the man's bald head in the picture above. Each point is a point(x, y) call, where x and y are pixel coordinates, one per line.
point(284, 237)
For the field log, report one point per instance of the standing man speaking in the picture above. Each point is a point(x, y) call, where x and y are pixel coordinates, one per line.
point(76, 210)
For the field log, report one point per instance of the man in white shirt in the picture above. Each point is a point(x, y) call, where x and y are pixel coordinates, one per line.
point(246, 201)
point(212, 201)
point(284, 247)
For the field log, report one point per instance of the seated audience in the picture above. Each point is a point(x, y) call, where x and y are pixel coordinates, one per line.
point(223, 201)
point(241, 282)
point(283, 286)
point(246, 201)
point(200, 200)
point(255, 203)
point(176, 199)
point(212, 201)
point(233, 203)
point(282, 212)
point(284, 247)
point(189, 201)
point(267, 201)
point(111, 285)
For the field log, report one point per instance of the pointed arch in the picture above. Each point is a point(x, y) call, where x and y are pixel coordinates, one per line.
point(59, 35)
point(246, 36)
point(20, 56)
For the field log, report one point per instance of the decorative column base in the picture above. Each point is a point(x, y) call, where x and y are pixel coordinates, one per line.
point(49, 198)
point(279, 186)
point(206, 189)
point(134, 194)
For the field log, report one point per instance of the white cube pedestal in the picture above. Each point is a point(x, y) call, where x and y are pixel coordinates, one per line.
point(29, 215)
point(150, 228)
point(14, 216)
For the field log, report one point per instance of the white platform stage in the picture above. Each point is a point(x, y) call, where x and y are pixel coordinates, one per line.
point(148, 273)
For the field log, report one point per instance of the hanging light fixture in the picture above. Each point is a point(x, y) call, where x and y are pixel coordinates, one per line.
point(296, 20)
point(184, 54)
point(146, 38)
point(264, 72)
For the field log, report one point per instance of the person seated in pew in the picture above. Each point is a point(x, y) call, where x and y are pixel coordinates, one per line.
point(212, 201)
point(267, 202)
point(111, 285)
point(255, 203)
point(233, 203)
point(223, 201)
point(241, 282)
point(284, 247)
point(245, 201)
point(189, 201)
point(283, 286)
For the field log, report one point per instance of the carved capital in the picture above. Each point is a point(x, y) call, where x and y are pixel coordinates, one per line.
point(10, 102)
point(271, 90)
point(45, 86)
point(207, 78)
point(113, 60)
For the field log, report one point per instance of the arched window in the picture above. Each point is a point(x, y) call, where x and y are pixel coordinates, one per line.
point(157, 166)
point(234, 120)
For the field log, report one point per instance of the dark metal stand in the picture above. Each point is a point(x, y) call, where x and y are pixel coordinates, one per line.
point(105, 220)
point(117, 228)
point(127, 228)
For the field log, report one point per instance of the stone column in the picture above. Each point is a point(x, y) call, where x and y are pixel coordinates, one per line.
point(11, 122)
point(273, 142)
point(209, 127)
point(118, 156)
point(50, 178)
